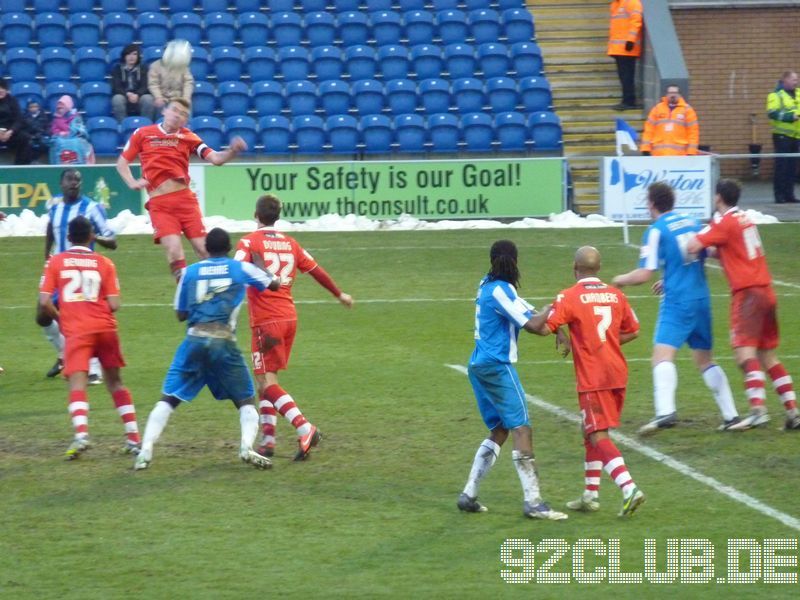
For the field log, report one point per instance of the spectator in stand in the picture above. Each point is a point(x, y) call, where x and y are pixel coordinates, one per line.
point(783, 110)
point(129, 86)
point(12, 129)
point(167, 84)
point(37, 126)
point(671, 128)
point(70, 140)
point(625, 46)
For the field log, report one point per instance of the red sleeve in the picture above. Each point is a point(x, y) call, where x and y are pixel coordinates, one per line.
point(630, 323)
point(242, 253)
point(714, 233)
point(109, 284)
point(133, 147)
point(322, 277)
point(49, 280)
point(197, 145)
point(560, 313)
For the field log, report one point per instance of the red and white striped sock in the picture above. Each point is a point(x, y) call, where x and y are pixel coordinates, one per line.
point(754, 382)
point(269, 419)
point(127, 412)
point(614, 465)
point(782, 382)
point(79, 412)
point(593, 468)
point(285, 405)
point(177, 267)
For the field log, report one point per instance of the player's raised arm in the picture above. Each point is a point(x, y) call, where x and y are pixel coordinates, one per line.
point(220, 157)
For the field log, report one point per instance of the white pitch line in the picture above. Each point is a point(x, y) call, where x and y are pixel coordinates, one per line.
point(679, 359)
point(667, 460)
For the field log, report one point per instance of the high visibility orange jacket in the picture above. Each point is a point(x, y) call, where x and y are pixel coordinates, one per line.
point(625, 26)
point(671, 132)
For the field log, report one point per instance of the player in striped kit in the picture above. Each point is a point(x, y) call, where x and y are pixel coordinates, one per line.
point(62, 210)
point(88, 296)
point(754, 321)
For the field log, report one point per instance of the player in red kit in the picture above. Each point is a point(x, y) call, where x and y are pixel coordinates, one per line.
point(88, 292)
point(754, 320)
point(600, 320)
point(164, 150)
point(273, 321)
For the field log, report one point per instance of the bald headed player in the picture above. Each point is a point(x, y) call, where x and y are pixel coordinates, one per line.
point(600, 320)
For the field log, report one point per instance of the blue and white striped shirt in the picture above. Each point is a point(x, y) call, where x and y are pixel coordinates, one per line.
point(61, 213)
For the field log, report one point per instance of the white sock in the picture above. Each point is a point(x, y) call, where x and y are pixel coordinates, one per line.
point(665, 381)
point(94, 367)
point(526, 469)
point(156, 423)
point(717, 382)
point(53, 335)
point(485, 457)
point(248, 417)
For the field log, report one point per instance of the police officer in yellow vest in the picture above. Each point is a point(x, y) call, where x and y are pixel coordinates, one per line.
point(783, 110)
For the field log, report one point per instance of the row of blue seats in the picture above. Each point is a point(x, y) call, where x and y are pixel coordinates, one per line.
point(366, 97)
point(347, 134)
point(293, 63)
point(283, 29)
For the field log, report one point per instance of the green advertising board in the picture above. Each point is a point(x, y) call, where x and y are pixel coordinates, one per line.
point(32, 187)
point(426, 189)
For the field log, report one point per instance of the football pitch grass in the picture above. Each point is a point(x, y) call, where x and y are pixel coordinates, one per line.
point(372, 512)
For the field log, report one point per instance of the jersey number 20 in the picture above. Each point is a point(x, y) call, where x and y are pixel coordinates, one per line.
point(82, 286)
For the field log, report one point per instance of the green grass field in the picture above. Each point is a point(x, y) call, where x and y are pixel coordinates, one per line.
point(372, 512)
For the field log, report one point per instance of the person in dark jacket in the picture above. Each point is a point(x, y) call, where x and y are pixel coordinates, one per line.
point(37, 126)
point(12, 130)
point(130, 95)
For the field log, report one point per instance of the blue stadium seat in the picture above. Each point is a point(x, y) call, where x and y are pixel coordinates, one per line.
point(345, 5)
point(209, 129)
point(118, 29)
point(180, 6)
point(143, 6)
point(535, 94)
point(353, 28)
point(220, 29)
point(406, 5)
point(56, 63)
point(24, 91)
point(243, 6)
point(459, 60)
point(526, 59)
point(360, 62)
point(309, 134)
point(545, 129)
point(410, 132)
point(343, 134)
point(253, 29)
point(153, 29)
point(259, 61)
point(493, 60)
point(440, 5)
point(393, 62)
point(373, 5)
point(213, 6)
point(103, 134)
point(478, 132)
point(95, 98)
point(452, 27)
point(377, 133)
point(204, 98)
point(484, 24)
point(506, 4)
point(334, 97)
point(199, 66)
point(244, 127)
point(502, 94)
point(268, 97)
point(326, 62)
point(51, 29)
point(45, 6)
point(320, 28)
point(152, 54)
point(75, 6)
point(368, 96)
point(90, 63)
point(114, 57)
point(511, 130)
point(23, 64)
point(309, 6)
point(419, 27)
point(387, 27)
point(131, 124)
point(54, 90)
point(226, 62)
point(468, 94)
point(475, 4)
point(187, 26)
point(277, 6)
point(401, 96)
point(13, 6)
point(234, 97)
point(427, 61)
point(301, 98)
point(435, 95)
point(16, 29)
point(276, 134)
point(444, 132)
point(287, 28)
point(293, 63)
point(84, 30)
point(518, 25)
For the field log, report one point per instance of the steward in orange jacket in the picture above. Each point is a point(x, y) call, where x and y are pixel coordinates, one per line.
point(625, 46)
point(671, 128)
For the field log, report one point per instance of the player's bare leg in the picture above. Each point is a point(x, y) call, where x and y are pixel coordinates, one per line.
point(533, 505)
point(199, 247)
point(484, 459)
point(79, 413)
point(173, 248)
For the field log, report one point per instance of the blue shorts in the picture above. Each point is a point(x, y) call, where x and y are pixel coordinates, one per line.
point(501, 399)
point(217, 363)
point(689, 322)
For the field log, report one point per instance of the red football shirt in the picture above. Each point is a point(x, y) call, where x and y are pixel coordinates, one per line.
point(739, 247)
point(283, 256)
point(164, 155)
point(83, 279)
point(596, 314)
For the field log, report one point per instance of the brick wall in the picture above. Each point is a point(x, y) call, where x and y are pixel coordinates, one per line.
point(735, 57)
